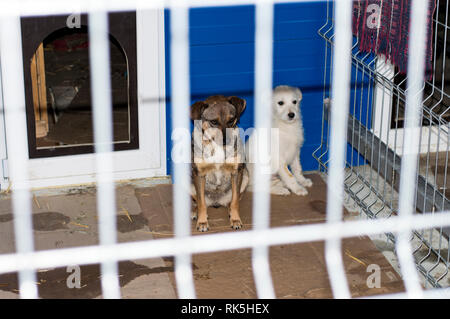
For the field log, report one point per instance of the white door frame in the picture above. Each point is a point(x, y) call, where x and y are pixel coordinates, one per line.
point(150, 159)
point(430, 142)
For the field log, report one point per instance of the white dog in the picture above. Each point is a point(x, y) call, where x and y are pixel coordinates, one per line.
point(286, 168)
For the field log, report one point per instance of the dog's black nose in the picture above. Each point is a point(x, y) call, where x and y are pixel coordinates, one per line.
point(291, 115)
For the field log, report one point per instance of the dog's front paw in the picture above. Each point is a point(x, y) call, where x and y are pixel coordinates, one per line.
point(202, 226)
point(301, 191)
point(283, 191)
point(307, 182)
point(236, 223)
point(194, 215)
point(235, 219)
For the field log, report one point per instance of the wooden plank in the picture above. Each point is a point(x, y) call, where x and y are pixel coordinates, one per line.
point(40, 61)
point(34, 82)
point(39, 92)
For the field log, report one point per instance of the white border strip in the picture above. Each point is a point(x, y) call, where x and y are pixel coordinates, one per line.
point(17, 140)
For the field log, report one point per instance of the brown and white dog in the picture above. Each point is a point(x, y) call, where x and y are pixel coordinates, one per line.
point(219, 173)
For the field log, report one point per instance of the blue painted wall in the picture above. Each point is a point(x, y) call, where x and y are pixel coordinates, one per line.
point(222, 61)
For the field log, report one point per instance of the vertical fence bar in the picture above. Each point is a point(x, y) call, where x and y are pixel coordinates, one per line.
point(416, 64)
point(179, 28)
point(338, 143)
point(103, 137)
point(263, 122)
point(15, 119)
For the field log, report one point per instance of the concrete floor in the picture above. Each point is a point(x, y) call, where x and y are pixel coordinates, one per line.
point(67, 218)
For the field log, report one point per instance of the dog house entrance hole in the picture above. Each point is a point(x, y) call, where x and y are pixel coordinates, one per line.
point(60, 115)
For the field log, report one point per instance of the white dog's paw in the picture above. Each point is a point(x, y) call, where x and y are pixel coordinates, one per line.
point(280, 190)
point(307, 182)
point(301, 191)
point(194, 215)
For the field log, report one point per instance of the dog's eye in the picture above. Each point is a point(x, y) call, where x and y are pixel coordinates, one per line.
point(231, 122)
point(280, 103)
point(295, 101)
point(214, 122)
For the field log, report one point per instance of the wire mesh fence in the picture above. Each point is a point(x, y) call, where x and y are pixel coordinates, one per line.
point(376, 135)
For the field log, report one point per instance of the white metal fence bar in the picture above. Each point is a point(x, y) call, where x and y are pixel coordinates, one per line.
point(103, 137)
point(416, 65)
point(14, 104)
point(338, 143)
point(263, 121)
point(215, 242)
point(442, 293)
point(51, 7)
point(179, 28)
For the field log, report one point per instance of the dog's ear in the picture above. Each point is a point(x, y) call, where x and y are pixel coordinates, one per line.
point(239, 104)
point(299, 94)
point(197, 109)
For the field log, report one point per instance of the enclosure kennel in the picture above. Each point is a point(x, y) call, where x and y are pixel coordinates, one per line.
point(372, 178)
point(375, 134)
